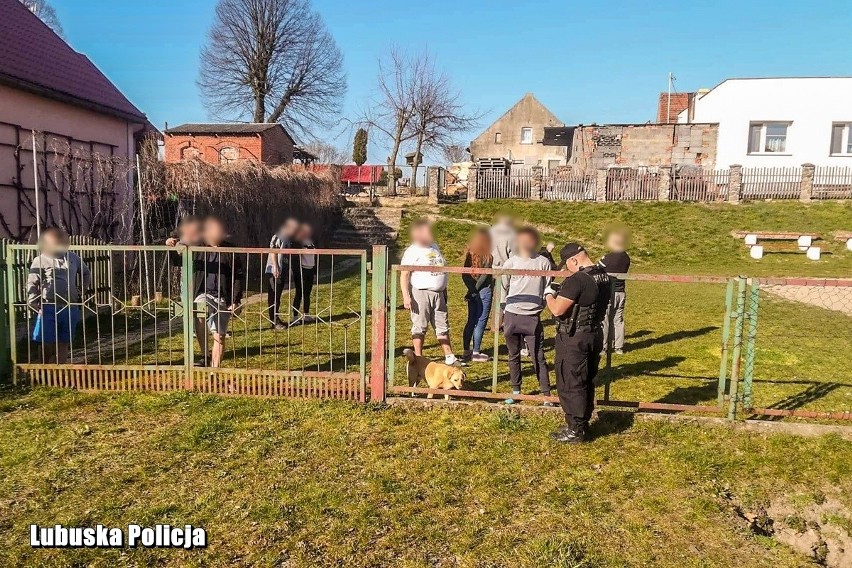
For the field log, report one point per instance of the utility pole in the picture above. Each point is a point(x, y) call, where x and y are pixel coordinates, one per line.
point(669, 101)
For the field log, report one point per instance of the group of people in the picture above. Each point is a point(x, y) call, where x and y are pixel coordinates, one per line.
point(218, 278)
point(584, 307)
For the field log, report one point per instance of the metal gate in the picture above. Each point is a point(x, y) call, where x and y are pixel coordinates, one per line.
point(145, 319)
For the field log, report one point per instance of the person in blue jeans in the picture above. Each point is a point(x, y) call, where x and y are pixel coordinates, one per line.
point(56, 283)
point(479, 294)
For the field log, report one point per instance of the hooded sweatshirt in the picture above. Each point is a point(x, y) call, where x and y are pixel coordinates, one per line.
point(502, 242)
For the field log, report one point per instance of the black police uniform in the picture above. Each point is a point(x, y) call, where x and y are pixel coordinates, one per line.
point(579, 342)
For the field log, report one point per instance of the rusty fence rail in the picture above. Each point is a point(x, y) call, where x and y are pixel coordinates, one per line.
point(150, 318)
point(669, 368)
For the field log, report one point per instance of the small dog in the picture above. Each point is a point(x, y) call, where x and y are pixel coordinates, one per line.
point(436, 375)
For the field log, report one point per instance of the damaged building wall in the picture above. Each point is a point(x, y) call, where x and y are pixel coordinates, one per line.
point(636, 145)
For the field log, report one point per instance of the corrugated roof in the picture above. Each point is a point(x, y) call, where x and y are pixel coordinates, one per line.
point(34, 58)
point(224, 128)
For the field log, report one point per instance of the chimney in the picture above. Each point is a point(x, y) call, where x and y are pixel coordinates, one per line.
point(669, 108)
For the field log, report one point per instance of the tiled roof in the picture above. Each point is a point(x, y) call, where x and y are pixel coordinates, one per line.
point(34, 58)
point(224, 128)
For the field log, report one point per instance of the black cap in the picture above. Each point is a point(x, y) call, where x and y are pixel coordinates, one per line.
point(570, 250)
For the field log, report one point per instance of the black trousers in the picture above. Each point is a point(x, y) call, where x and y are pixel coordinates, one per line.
point(274, 288)
point(577, 360)
point(520, 330)
point(303, 283)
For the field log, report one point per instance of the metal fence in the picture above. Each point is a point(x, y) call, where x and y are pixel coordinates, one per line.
point(832, 182)
point(568, 185)
point(698, 184)
point(632, 184)
point(150, 318)
point(770, 347)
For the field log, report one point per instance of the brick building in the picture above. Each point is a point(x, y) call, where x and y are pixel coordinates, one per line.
point(268, 143)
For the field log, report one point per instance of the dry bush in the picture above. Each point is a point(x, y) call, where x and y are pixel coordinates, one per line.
point(252, 199)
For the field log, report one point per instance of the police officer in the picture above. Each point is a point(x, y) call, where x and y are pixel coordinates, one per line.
point(579, 306)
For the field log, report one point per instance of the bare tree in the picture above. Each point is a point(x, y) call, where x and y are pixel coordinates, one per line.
point(272, 61)
point(326, 153)
point(45, 13)
point(439, 113)
point(393, 109)
point(454, 153)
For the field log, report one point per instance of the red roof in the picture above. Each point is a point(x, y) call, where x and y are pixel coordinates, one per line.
point(34, 58)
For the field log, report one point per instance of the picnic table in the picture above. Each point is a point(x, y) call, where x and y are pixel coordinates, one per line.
point(804, 241)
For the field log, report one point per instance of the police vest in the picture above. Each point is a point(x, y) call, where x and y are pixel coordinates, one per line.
point(588, 318)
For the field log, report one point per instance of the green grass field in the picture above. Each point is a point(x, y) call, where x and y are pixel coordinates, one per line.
point(296, 483)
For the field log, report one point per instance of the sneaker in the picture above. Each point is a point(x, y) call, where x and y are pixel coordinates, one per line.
point(511, 400)
point(201, 362)
point(619, 351)
point(480, 358)
point(525, 352)
point(548, 404)
point(450, 359)
point(466, 355)
point(296, 322)
point(279, 325)
point(309, 319)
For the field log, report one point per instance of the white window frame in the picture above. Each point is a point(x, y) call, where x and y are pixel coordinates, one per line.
point(763, 128)
point(526, 129)
point(845, 138)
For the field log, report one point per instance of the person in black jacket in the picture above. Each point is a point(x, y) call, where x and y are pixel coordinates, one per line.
point(479, 295)
point(218, 280)
point(188, 233)
point(616, 262)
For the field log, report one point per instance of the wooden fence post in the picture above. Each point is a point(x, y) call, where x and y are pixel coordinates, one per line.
point(806, 190)
point(735, 183)
point(600, 185)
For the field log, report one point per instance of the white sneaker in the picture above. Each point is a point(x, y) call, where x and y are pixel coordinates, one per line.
point(450, 359)
point(525, 352)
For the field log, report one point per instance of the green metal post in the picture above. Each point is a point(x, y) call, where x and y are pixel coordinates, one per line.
point(726, 334)
point(10, 295)
point(394, 287)
point(379, 313)
point(188, 317)
point(495, 361)
point(363, 327)
point(5, 307)
point(750, 348)
point(736, 356)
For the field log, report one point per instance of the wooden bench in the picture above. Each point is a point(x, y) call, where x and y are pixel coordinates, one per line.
point(844, 237)
point(804, 241)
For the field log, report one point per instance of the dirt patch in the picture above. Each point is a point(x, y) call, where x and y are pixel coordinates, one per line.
point(813, 524)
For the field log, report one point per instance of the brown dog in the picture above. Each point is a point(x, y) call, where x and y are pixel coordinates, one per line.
point(436, 375)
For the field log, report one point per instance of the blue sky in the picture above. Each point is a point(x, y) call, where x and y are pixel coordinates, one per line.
point(595, 61)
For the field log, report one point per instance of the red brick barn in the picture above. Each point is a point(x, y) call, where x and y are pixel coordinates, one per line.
point(268, 143)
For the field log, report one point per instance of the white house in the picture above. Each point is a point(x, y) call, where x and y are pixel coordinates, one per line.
point(778, 122)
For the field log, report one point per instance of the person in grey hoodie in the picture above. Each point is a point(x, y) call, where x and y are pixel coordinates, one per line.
point(522, 307)
point(502, 240)
point(55, 286)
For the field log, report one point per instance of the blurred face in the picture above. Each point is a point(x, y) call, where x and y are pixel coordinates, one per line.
point(214, 232)
point(53, 244)
point(190, 232)
point(422, 235)
point(527, 243)
point(289, 228)
point(304, 232)
point(616, 241)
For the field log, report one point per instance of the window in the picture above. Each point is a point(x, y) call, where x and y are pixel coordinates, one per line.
point(841, 139)
point(190, 153)
point(498, 138)
point(552, 165)
point(767, 137)
point(526, 135)
point(228, 155)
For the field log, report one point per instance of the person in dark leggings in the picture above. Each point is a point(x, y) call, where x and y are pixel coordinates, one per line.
point(304, 276)
point(479, 295)
point(277, 271)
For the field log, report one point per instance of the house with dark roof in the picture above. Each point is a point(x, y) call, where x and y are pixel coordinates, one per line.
point(266, 143)
point(48, 88)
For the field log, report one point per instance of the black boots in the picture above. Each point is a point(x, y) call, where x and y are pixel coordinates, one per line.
point(567, 434)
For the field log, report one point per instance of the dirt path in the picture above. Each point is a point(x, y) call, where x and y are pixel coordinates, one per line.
point(836, 298)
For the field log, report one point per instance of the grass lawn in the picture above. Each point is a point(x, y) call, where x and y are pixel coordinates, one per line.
point(306, 483)
point(295, 483)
